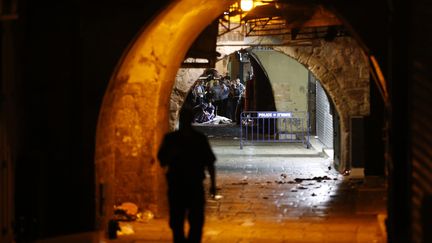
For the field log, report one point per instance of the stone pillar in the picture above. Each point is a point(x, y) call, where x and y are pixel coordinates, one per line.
point(184, 81)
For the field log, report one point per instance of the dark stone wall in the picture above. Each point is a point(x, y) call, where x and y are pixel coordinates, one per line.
point(67, 52)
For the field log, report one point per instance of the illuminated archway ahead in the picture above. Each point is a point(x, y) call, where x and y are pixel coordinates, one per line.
point(343, 70)
point(134, 113)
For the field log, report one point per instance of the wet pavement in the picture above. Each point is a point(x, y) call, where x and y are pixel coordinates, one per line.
point(280, 193)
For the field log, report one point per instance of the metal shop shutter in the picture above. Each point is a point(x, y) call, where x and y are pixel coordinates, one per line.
point(324, 118)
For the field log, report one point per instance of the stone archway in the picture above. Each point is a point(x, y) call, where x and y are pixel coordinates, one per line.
point(134, 113)
point(343, 70)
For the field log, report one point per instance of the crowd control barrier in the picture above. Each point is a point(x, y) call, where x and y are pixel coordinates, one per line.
point(274, 127)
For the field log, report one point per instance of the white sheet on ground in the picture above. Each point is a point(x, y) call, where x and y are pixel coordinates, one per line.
point(215, 121)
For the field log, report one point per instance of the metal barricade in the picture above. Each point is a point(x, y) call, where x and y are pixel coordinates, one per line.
point(272, 126)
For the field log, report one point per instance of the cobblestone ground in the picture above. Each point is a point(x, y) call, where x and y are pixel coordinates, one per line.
point(274, 193)
point(280, 193)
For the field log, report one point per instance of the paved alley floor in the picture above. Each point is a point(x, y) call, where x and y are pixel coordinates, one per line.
point(277, 193)
point(280, 193)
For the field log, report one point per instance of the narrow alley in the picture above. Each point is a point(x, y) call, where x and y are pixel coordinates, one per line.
point(280, 193)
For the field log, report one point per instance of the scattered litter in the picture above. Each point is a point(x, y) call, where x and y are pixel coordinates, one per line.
point(239, 183)
point(218, 197)
point(316, 178)
point(127, 211)
point(129, 208)
point(126, 230)
point(283, 175)
point(146, 216)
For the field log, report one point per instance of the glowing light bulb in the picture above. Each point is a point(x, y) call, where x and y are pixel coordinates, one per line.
point(246, 5)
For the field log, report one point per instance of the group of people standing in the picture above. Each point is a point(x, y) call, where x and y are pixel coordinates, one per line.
point(224, 95)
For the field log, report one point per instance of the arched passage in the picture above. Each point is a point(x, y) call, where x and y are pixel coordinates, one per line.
point(342, 69)
point(134, 114)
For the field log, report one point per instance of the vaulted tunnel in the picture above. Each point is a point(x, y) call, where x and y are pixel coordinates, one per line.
point(134, 115)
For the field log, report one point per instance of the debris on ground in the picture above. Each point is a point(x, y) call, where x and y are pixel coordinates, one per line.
point(145, 216)
point(239, 183)
point(126, 211)
point(316, 178)
point(126, 230)
point(129, 208)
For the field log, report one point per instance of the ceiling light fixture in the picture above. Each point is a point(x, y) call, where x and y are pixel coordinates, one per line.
point(246, 5)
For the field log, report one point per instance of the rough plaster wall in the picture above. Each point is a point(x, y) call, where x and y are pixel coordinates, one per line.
point(185, 78)
point(289, 79)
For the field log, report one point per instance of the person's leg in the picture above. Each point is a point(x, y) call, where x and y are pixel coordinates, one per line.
point(239, 109)
point(217, 107)
point(177, 217)
point(233, 109)
point(176, 223)
point(196, 220)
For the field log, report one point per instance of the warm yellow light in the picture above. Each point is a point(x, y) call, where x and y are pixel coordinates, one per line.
point(246, 5)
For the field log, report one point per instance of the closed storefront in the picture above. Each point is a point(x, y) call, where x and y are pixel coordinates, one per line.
point(324, 118)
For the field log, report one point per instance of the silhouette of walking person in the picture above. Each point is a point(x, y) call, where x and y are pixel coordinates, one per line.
point(187, 154)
